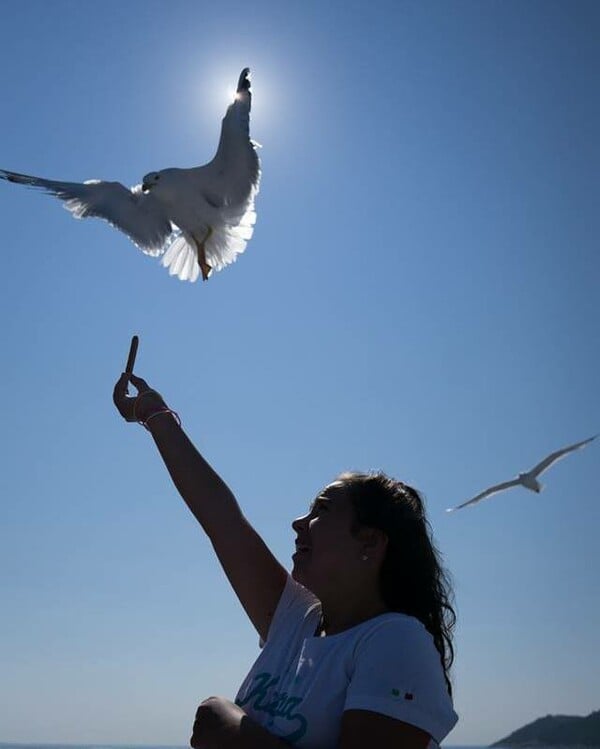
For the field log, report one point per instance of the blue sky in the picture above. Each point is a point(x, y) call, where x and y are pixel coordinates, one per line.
point(420, 296)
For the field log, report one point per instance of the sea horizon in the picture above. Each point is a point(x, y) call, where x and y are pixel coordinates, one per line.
point(86, 745)
point(126, 745)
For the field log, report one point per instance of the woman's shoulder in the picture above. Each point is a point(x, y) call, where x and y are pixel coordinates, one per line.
point(396, 669)
point(392, 624)
point(394, 632)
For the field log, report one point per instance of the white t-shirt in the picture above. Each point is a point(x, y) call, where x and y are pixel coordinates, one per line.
point(300, 684)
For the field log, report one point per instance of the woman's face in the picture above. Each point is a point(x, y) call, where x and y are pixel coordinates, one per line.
point(326, 551)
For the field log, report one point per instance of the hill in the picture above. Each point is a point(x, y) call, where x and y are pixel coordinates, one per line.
point(557, 730)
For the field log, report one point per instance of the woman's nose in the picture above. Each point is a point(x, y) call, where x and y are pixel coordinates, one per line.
point(298, 523)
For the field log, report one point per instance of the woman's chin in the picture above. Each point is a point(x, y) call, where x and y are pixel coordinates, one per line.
point(299, 576)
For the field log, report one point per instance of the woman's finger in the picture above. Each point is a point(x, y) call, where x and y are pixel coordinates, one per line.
point(140, 384)
point(120, 389)
point(124, 404)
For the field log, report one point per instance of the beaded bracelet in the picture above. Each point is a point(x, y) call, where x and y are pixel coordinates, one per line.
point(165, 410)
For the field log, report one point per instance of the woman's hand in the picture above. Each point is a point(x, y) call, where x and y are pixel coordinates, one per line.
point(215, 719)
point(141, 406)
point(221, 724)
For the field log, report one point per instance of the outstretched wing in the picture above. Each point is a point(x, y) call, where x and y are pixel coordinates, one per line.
point(228, 185)
point(553, 457)
point(487, 493)
point(139, 215)
point(235, 168)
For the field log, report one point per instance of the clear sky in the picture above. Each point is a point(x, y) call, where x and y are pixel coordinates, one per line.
point(421, 295)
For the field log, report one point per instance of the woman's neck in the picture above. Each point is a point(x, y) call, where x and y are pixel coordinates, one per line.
point(338, 616)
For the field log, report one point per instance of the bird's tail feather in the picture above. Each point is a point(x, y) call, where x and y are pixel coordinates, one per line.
point(180, 258)
point(223, 246)
point(229, 241)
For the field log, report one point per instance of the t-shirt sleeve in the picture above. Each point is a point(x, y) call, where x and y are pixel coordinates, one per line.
point(398, 672)
point(294, 604)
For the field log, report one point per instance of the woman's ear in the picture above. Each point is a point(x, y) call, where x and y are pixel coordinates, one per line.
point(374, 541)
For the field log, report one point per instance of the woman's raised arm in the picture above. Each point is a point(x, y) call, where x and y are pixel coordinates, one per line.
point(255, 575)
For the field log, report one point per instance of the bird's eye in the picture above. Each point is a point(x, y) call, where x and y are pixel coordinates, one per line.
point(157, 177)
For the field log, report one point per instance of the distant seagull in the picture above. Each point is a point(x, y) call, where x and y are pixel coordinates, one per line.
point(198, 219)
point(527, 479)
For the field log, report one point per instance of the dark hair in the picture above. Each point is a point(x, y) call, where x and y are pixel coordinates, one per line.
point(412, 578)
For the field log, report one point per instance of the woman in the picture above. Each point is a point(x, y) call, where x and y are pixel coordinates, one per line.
point(356, 642)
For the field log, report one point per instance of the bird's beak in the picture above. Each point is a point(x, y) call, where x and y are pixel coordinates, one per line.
point(145, 187)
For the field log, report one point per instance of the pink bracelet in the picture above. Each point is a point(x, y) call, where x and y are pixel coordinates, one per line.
point(139, 398)
point(174, 414)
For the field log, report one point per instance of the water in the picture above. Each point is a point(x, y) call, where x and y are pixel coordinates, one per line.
point(157, 746)
point(57, 745)
point(161, 746)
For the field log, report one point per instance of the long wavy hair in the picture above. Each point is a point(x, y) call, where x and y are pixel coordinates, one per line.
point(412, 578)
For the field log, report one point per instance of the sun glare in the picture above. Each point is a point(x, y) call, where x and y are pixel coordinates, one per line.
point(215, 89)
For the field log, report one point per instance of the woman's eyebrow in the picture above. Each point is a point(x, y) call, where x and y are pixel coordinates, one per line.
point(320, 498)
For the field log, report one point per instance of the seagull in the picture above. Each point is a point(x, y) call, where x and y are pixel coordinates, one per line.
point(527, 479)
point(197, 219)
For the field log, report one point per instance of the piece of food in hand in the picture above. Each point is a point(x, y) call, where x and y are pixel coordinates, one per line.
point(132, 354)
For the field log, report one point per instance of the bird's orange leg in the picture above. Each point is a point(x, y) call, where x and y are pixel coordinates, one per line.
point(200, 248)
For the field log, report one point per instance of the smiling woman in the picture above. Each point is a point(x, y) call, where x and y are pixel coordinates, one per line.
point(356, 642)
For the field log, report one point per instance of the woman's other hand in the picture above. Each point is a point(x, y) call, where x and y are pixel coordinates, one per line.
point(217, 721)
point(221, 724)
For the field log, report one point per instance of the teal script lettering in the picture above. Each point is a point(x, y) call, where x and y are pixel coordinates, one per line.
point(277, 704)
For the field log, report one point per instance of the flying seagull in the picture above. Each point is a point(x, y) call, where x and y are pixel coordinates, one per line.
point(198, 219)
point(527, 479)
